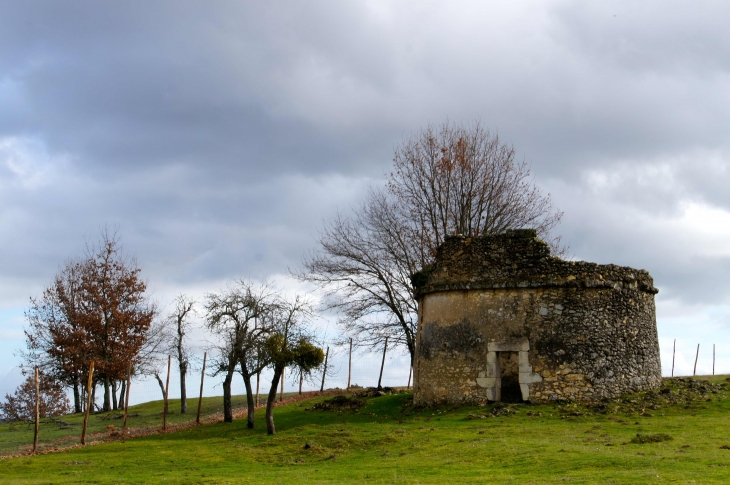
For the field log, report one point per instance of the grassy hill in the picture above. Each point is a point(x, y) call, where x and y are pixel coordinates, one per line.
point(679, 435)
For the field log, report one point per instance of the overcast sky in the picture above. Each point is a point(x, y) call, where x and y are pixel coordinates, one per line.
point(217, 136)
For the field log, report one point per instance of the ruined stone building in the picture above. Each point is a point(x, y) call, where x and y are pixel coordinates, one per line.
point(502, 320)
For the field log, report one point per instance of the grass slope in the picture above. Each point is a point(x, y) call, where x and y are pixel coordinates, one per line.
point(389, 441)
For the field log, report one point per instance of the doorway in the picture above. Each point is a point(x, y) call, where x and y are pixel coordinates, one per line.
point(509, 374)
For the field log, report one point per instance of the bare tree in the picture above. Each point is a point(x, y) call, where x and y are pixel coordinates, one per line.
point(235, 316)
point(179, 319)
point(152, 356)
point(364, 267)
point(289, 344)
point(464, 180)
point(452, 180)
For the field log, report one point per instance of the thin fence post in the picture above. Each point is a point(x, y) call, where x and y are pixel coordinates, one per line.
point(382, 364)
point(281, 389)
point(202, 378)
point(324, 373)
point(410, 372)
point(713, 359)
point(88, 404)
point(301, 380)
point(37, 410)
point(694, 373)
point(258, 379)
point(167, 388)
point(674, 351)
point(349, 367)
point(126, 401)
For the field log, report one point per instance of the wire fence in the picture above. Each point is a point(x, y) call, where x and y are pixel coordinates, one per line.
point(365, 373)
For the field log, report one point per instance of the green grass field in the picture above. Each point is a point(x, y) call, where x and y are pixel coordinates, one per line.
point(388, 441)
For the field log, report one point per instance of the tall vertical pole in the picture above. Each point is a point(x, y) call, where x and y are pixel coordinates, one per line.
point(301, 379)
point(410, 373)
point(37, 410)
point(88, 404)
point(349, 368)
point(324, 373)
point(696, 357)
point(713, 359)
point(202, 377)
point(382, 364)
point(126, 400)
point(258, 380)
point(167, 388)
point(674, 351)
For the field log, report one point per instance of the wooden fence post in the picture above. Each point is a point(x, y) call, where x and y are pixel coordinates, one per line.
point(349, 367)
point(382, 365)
point(674, 351)
point(696, 357)
point(88, 404)
point(713, 359)
point(37, 410)
point(258, 380)
point(301, 380)
point(202, 377)
point(324, 373)
point(167, 388)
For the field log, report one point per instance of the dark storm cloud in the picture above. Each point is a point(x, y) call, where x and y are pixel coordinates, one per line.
point(218, 135)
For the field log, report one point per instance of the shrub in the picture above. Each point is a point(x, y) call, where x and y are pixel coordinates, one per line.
point(21, 405)
point(651, 438)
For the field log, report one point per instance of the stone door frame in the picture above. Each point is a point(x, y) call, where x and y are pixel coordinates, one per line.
point(492, 378)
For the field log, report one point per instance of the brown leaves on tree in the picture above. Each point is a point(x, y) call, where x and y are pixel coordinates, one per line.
point(21, 405)
point(95, 310)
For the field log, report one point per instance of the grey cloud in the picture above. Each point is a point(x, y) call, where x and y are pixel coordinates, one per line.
point(217, 136)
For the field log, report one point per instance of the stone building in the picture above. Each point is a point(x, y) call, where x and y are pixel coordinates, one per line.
point(502, 320)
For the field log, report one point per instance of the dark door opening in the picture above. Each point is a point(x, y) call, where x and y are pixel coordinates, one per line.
point(509, 373)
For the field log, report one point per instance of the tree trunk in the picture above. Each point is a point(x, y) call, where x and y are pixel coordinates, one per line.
point(77, 396)
point(227, 402)
point(183, 392)
point(107, 396)
point(161, 384)
point(270, 428)
point(122, 394)
point(250, 402)
point(114, 394)
point(93, 397)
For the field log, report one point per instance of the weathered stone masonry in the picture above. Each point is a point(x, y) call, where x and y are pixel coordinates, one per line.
point(501, 319)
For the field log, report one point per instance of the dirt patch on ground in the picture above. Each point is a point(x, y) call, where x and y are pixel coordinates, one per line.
point(376, 392)
point(340, 403)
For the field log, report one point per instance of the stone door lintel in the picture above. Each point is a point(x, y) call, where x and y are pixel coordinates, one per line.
point(492, 381)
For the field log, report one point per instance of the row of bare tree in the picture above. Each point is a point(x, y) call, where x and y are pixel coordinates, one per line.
point(453, 179)
point(96, 310)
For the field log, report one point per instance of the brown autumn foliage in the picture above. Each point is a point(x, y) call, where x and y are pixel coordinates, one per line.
point(95, 310)
point(53, 318)
point(21, 405)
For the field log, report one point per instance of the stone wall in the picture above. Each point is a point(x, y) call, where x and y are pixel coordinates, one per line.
point(578, 331)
